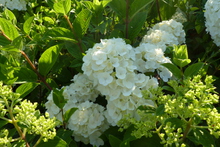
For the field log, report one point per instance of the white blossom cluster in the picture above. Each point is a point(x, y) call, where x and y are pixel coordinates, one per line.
point(118, 72)
point(165, 33)
point(14, 4)
point(88, 121)
point(212, 15)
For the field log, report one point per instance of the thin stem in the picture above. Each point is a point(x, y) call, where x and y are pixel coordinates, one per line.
point(158, 10)
point(35, 70)
point(4, 35)
point(38, 141)
point(187, 130)
point(73, 31)
point(127, 19)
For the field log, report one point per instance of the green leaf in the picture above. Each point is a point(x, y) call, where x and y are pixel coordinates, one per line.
point(66, 135)
point(4, 41)
point(15, 46)
point(48, 59)
point(202, 137)
point(178, 123)
point(26, 88)
point(180, 56)
point(193, 69)
point(8, 29)
point(55, 142)
point(136, 24)
point(181, 62)
point(119, 7)
point(3, 123)
point(27, 25)
point(57, 32)
point(160, 110)
point(68, 114)
point(114, 141)
point(137, 6)
point(81, 22)
point(60, 6)
point(25, 75)
point(58, 98)
point(9, 15)
point(174, 69)
point(74, 50)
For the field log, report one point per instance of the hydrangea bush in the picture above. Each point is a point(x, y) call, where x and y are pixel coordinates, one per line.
point(109, 73)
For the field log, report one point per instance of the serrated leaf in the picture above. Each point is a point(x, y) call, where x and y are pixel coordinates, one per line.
point(119, 7)
point(181, 62)
point(174, 69)
point(3, 123)
point(58, 98)
point(114, 141)
point(180, 56)
point(66, 135)
point(27, 25)
point(60, 6)
point(81, 22)
point(74, 50)
point(9, 15)
point(26, 88)
point(48, 59)
point(55, 142)
point(68, 114)
point(136, 24)
point(202, 137)
point(137, 6)
point(193, 69)
point(57, 32)
point(25, 74)
point(178, 123)
point(8, 29)
point(160, 110)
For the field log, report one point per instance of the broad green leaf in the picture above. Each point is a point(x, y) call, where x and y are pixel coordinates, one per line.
point(3, 123)
point(4, 41)
point(64, 39)
point(137, 6)
point(174, 69)
point(57, 32)
point(180, 56)
point(25, 75)
point(81, 23)
point(48, 59)
point(202, 137)
point(58, 98)
point(193, 69)
point(181, 62)
point(66, 135)
point(136, 24)
point(9, 15)
point(74, 50)
point(160, 110)
point(62, 6)
point(27, 25)
point(8, 29)
point(178, 123)
point(68, 114)
point(119, 7)
point(26, 88)
point(7, 74)
point(55, 142)
point(16, 45)
point(114, 141)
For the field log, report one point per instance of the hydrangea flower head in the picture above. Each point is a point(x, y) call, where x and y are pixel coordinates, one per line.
point(212, 14)
point(14, 4)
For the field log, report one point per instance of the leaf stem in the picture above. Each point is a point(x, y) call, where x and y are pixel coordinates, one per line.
point(158, 10)
point(4, 35)
point(38, 141)
point(35, 70)
point(72, 29)
point(127, 19)
point(187, 130)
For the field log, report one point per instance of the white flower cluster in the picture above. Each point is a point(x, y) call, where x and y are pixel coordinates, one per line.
point(118, 72)
point(212, 13)
point(165, 33)
point(88, 121)
point(14, 4)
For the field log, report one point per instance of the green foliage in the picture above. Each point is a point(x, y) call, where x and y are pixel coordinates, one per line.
point(42, 48)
